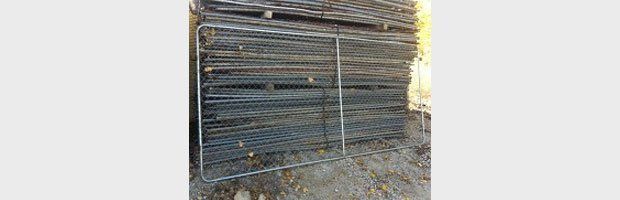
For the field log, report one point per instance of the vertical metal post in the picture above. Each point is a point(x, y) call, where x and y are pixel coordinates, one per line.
point(198, 96)
point(420, 94)
point(340, 86)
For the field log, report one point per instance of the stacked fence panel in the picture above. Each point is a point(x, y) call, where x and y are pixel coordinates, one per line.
point(266, 92)
point(271, 85)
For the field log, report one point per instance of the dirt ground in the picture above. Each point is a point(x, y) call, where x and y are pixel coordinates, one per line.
point(399, 174)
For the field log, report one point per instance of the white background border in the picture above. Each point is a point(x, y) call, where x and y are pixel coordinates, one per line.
point(94, 99)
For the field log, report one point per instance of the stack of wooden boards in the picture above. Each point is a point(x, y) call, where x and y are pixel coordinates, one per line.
point(269, 74)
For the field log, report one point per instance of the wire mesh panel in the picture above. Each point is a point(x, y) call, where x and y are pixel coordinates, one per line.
point(375, 78)
point(270, 99)
point(265, 97)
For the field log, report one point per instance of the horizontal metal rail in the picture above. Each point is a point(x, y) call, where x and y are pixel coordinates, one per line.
point(324, 35)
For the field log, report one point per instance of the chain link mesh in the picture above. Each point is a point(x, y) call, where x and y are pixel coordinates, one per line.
point(270, 99)
point(375, 78)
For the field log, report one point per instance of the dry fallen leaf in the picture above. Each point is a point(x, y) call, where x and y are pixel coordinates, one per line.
point(211, 31)
point(373, 174)
point(359, 162)
point(371, 191)
point(419, 164)
point(283, 193)
point(405, 178)
point(425, 179)
point(297, 157)
point(391, 172)
point(208, 69)
point(384, 187)
point(305, 190)
point(310, 79)
point(240, 144)
point(251, 154)
point(288, 175)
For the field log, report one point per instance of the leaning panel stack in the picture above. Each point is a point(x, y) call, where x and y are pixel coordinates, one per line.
point(270, 83)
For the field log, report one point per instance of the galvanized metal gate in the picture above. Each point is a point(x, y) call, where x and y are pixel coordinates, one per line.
point(270, 100)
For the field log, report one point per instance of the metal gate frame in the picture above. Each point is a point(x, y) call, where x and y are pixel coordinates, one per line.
point(344, 155)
